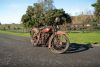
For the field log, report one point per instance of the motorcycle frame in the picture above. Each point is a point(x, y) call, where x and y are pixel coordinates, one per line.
point(55, 31)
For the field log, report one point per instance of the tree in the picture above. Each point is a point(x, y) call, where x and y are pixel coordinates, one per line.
point(0, 23)
point(38, 14)
point(97, 10)
point(9, 27)
point(52, 14)
point(83, 17)
point(33, 15)
point(47, 5)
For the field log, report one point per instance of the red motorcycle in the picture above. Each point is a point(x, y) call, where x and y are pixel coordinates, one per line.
point(57, 41)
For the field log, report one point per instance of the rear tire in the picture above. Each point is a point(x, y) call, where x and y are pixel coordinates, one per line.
point(34, 39)
point(56, 47)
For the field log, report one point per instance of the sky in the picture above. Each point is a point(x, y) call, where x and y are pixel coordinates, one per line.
point(11, 11)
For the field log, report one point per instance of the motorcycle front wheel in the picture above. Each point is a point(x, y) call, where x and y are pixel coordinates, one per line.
point(59, 43)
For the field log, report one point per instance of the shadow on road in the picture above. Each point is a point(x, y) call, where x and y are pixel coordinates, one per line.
point(75, 47)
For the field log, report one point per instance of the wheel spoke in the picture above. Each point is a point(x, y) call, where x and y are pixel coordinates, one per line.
point(59, 42)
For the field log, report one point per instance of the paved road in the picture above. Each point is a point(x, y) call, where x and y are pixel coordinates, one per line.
point(18, 52)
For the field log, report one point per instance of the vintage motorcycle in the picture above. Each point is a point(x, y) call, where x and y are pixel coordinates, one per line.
point(57, 41)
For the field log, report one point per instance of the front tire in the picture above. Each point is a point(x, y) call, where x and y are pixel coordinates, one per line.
point(59, 43)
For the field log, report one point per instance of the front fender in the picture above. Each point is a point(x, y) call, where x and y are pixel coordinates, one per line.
point(53, 35)
point(60, 33)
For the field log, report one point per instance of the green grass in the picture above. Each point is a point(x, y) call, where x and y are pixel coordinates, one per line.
point(92, 37)
point(14, 33)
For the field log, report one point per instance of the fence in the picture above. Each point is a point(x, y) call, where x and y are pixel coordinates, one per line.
point(88, 27)
point(70, 28)
point(14, 28)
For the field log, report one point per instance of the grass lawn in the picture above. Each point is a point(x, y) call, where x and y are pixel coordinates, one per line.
point(14, 33)
point(92, 37)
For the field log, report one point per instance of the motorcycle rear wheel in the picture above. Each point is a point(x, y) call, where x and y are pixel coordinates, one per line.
point(34, 39)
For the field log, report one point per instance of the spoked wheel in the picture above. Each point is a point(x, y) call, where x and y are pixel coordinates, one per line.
point(34, 39)
point(59, 43)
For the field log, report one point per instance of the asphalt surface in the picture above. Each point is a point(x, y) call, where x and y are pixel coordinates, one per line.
point(18, 52)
